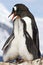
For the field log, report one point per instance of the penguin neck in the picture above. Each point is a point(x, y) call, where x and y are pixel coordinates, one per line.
point(18, 28)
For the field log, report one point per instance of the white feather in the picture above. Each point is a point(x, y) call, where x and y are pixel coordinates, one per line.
point(29, 27)
point(15, 8)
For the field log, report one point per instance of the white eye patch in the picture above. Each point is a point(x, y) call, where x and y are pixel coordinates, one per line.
point(15, 8)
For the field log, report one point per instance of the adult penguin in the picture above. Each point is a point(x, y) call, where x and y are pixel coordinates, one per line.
point(21, 13)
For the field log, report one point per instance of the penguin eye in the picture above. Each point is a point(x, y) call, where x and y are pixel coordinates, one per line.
point(15, 8)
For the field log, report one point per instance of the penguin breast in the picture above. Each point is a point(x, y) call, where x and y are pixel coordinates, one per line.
point(18, 28)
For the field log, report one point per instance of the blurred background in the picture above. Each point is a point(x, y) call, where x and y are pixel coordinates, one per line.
point(36, 8)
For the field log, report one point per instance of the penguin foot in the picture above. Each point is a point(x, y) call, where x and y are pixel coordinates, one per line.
point(19, 60)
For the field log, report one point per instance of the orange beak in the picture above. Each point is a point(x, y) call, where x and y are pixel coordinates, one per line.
point(13, 15)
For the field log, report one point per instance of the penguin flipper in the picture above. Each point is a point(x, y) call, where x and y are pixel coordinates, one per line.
point(8, 41)
point(36, 35)
point(31, 46)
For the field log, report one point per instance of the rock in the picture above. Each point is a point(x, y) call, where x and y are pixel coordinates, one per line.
point(34, 62)
point(4, 63)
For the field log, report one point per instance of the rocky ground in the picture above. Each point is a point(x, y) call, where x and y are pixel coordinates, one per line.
point(34, 62)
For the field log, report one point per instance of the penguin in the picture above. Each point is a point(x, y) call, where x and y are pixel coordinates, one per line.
point(21, 42)
point(22, 11)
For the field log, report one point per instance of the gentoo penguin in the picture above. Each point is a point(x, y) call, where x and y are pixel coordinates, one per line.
point(21, 42)
point(23, 12)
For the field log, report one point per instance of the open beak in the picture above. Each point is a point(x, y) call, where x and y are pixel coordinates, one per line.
point(13, 15)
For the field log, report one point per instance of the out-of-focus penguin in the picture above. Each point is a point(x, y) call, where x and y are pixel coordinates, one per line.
point(24, 40)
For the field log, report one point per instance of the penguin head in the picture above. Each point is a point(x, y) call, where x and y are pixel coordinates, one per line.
point(19, 10)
